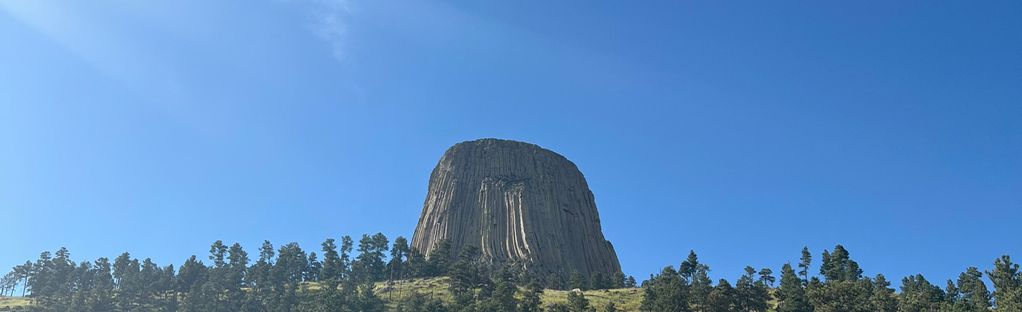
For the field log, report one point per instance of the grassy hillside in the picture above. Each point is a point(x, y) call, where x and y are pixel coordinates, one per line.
point(9, 303)
point(626, 299)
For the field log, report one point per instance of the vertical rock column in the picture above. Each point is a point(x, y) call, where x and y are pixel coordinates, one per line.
point(517, 202)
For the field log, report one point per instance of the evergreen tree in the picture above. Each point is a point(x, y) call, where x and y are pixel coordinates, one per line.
point(766, 277)
point(101, 297)
point(803, 265)
point(346, 247)
point(839, 266)
point(620, 280)
point(1007, 283)
point(332, 266)
point(752, 295)
point(882, 297)
point(840, 295)
point(578, 281)
point(696, 275)
point(973, 293)
point(722, 298)
point(531, 298)
point(416, 264)
point(398, 256)
point(234, 276)
point(465, 276)
point(791, 297)
point(438, 261)
point(918, 295)
point(665, 292)
point(314, 269)
point(370, 266)
point(577, 302)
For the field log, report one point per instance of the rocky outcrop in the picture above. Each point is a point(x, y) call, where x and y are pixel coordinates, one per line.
point(517, 202)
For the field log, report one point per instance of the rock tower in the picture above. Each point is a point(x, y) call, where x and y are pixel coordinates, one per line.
point(517, 202)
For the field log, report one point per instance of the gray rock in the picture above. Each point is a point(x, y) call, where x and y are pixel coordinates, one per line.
point(517, 202)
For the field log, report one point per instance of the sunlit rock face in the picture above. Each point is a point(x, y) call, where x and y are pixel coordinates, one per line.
point(517, 202)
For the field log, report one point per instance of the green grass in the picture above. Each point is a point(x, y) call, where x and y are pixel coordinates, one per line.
point(11, 303)
point(626, 299)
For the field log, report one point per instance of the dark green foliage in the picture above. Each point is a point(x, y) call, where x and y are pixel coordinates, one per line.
point(600, 281)
point(696, 275)
point(882, 297)
point(1007, 282)
point(722, 298)
point(791, 296)
point(839, 266)
point(578, 281)
point(619, 280)
point(398, 258)
point(439, 259)
point(577, 302)
point(804, 262)
point(918, 295)
point(665, 292)
point(630, 282)
point(282, 280)
point(971, 293)
point(531, 299)
point(752, 294)
point(839, 295)
point(369, 265)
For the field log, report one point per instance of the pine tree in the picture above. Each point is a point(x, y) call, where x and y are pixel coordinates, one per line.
point(918, 295)
point(577, 302)
point(531, 298)
point(578, 281)
point(791, 297)
point(332, 266)
point(696, 275)
point(398, 256)
point(882, 297)
point(722, 298)
point(346, 248)
point(803, 265)
point(599, 281)
point(973, 293)
point(665, 292)
point(839, 266)
point(752, 295)
point(370, 266)
point(101, 297)
point(1007, 283)
point(620, 280)
point(438, 260)
point(234, 276)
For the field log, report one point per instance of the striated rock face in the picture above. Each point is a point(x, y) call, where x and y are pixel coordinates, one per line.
point(517, 202)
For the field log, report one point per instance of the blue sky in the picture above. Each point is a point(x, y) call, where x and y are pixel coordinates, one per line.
point(743, 130)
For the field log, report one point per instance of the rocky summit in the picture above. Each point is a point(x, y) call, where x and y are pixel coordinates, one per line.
point(517, 202)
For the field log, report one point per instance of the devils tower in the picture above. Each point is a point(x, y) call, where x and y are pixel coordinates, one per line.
point(516, 202)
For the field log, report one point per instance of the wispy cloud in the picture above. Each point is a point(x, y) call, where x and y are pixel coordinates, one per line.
point(329, 21)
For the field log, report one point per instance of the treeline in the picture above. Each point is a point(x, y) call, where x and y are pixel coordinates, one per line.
point(342, 277)
point(840, 287)
point(339, 278)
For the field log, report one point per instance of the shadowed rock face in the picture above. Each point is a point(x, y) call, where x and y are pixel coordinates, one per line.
point(516, 202)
